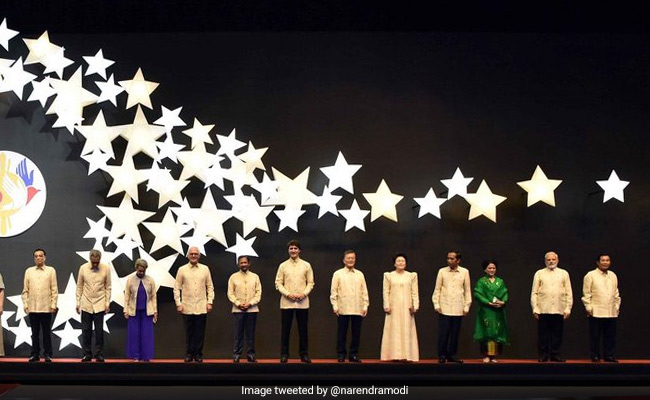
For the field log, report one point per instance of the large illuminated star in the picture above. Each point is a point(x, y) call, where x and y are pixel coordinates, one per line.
point(429, 204)
point(249, 212)
point(4, 64)
point(99, 136)
point(209, 220)
point(39, 49)
point(20, 307)
point(71, 98)
point(253, 157)
point(243, 247)
point(540, 188)
point(198, 240)
point(125, 219)
point(383, 202)
point(184, 213)
point(216, 174)
point(97, 230)
point(268, 190)
point(97, 64)
point(109, 90)
point(41, 91)
point(142, 136)
point(484, 202)
point(340, 174)
point(56, 62)
point(166, 233)
point(613, 187)
point(195, 162)
point(289, 218)
point(168, 188)
point(23, 333)
point(67, 303)
point(15, 78)
point(168, 149)
point(6, 34)
point(170, 118)
point(138, 90)
point(239, 174)
point(229, 144)
point(96, 160)
point(293, 193)
point(68, 335)
point(327, 202)
point(199, 133)
point(354, 217)
point(457, 184)
point(125, 178)
point(124, 245)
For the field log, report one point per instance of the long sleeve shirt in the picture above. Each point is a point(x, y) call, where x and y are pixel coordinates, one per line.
point(131, 294)
point(40, 291)
point(243, 288)
point(294, 277)
point(193, 289)
point(94, 288)
point(600, 294)
point(349, 293)
point(551, 293)
point(453, 292)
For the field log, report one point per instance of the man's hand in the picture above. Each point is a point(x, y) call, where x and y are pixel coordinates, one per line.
point(179, 309)
point(208, 307)
point(536, 315)
point(155, 317)
point(126, 315)
point(387, 310)
point(78, 310)
point(567, 315)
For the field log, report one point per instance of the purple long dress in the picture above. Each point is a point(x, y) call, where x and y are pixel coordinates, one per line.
point(139, 338)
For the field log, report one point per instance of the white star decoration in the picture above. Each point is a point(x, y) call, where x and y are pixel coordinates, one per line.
point(6, 34)
point(242, 247)
point(199, 133)
point(340, 174)
point(484, 202)
point(138, 90)
point(20, 308)
point(429, 204)
point(125, 178)
point(23, 333)
point(354, 217)
point(99, 136)
point(170, 118)
point(293, 193)
point(15, 78)
point(142, 136)
point(67, 303)
point(327, 202)
point(109, 90)
point(97, 64)
point(540, 188)
point(166, 233)
point(613, 187)
point(41, 91)
point(289, 218)
point(457, 185)
point(126, 219)
point(68, 335)
point(383, 202)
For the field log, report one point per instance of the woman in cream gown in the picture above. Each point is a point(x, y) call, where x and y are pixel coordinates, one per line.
point(401, 301)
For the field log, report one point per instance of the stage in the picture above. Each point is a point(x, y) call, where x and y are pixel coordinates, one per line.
point(223, 372)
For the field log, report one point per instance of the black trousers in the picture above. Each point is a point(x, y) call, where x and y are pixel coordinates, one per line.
point(605, 328)
point(549, 333)
point(448, 332)
point(343, 322)
point(194, 334)
point(41, 322)
point(302, 318)
point(89, 320)
point(244, 326)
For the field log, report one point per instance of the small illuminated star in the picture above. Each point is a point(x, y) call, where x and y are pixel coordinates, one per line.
point(613, 187)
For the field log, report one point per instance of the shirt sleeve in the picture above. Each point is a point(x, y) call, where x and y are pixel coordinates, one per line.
point(279, 282)
point(310, 280)
point(586, 292)
point(534, 292)
point(334, 292)
point(54, 290)
point(468, 292)
point(258, 292)
point(415, 291)
point(437, 290)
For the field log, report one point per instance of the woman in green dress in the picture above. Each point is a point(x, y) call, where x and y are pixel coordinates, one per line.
point(491, 330)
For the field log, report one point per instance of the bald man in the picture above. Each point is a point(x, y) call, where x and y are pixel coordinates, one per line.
point(551, 299)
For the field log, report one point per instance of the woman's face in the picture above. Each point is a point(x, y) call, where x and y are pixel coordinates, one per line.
point(139, 271)
point(491, 270)
point(400, 263)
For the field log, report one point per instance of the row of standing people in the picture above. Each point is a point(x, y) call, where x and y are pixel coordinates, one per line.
point(551, 300)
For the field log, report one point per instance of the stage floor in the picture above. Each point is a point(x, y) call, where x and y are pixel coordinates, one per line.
point(223, 372)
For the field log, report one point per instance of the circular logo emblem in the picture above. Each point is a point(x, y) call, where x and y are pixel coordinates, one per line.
point(22, 193)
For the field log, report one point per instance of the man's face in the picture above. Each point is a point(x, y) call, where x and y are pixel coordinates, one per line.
point(193, 255)
point(604, 262)
point(294, 252)
point(244, 264)
point(452, 260)
point(94, 261)
point(349, 260)
point(39, 258)
point(551, 260)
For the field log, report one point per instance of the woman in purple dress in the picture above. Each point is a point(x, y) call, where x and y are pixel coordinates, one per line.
point(141, 312)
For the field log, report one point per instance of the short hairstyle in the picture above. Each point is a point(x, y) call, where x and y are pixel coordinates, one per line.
point(39, 249)
point(550, 252)
point(94, 253)
point(240, 257)
point(349, 251)
point(603, 255)
point(489, 261)
point(458, 255)
point(294, 242)
point(141, 263)
point(403, 255)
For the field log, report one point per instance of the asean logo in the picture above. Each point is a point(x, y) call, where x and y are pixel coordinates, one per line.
point(22, 193)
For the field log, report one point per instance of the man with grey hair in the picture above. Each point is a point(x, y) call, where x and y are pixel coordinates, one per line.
point(93, 301)
point(551, 299)
point(194, 294)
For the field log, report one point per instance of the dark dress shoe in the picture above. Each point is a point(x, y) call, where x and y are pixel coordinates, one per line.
point(188, 359)
point(86, 359)
point(610, 360)
point(558, 359)
point(543, 359)
point(34, 359)
point(442, 360)
point(100, 359)
point(198, 359)
point(235, 359)
point(341, 358)
point(305, 359)
point(454, 360)
point(48, 359)
point(284, 358)
point(595, 359)
point(355, 359)
point(251, 358)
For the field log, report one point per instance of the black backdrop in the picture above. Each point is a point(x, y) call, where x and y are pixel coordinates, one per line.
point(410, 107)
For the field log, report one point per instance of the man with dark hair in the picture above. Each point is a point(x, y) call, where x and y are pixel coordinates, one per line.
point(294, 281)
point(349, 298)
point(602, 302)
point(93, 301)
point(245, 293)
point(451, 298)
point(40, 293)
point(551, 299)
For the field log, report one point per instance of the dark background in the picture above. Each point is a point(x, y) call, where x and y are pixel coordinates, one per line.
point(410, 95)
